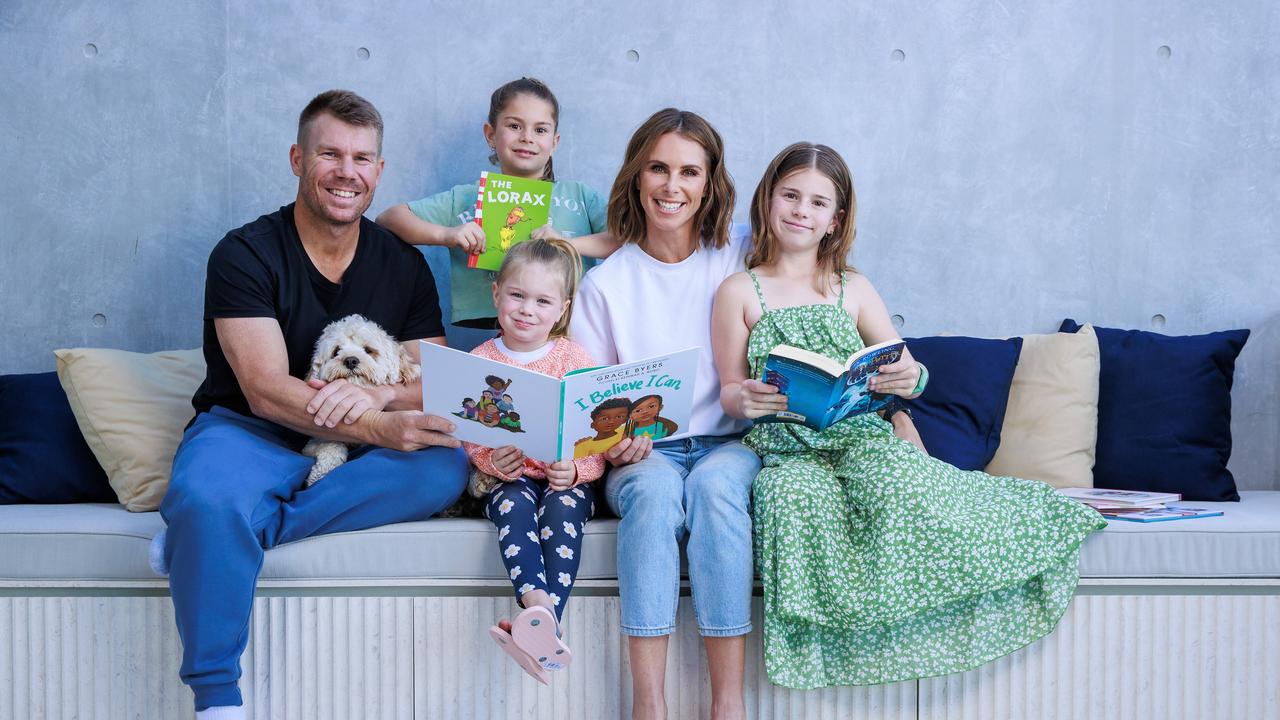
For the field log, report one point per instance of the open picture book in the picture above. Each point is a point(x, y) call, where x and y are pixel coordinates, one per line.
point(508, 209)
point(586, 413)
point(820, 391)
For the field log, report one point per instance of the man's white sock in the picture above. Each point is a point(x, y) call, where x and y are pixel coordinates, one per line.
point(155, 554)
point(221, 712)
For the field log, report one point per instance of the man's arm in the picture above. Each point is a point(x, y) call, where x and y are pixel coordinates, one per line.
point(255, 349)
point(340, 401)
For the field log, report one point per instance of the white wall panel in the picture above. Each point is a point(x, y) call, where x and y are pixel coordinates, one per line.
point(1114, 657)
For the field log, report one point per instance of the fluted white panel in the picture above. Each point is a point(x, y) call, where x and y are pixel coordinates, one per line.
point(112, 658)
point(597, 684)
point(1126, 657)
point(1114, 657)
point(330, 658)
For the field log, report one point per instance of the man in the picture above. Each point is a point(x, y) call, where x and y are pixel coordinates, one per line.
point(238, 478)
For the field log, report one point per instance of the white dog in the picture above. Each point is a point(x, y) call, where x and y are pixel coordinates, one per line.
point(358, 351)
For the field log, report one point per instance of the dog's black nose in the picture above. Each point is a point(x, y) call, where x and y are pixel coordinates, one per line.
point(352, 362)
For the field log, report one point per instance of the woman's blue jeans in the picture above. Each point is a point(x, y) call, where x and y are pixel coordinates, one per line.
point(697, 489)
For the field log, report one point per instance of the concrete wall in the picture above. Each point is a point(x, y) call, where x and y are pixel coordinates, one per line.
point(1015, 162)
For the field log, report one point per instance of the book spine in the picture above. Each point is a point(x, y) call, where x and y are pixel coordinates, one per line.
point(484, 178)
point(560, 427)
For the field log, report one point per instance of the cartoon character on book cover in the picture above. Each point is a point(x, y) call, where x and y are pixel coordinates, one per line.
point(609, 420)
point(646, 422)
point(507, 233)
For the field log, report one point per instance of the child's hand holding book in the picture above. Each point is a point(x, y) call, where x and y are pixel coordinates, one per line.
point(757, 398)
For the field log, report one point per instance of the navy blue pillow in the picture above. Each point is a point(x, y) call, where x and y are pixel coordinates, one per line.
point(961, 411)
point(1164, 411)
point(43, 456)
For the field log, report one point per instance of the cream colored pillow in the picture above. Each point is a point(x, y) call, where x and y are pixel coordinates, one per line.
point(131, 409)
point(1050, 426)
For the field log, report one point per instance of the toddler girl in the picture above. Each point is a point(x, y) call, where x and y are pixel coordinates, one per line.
point(540, 510)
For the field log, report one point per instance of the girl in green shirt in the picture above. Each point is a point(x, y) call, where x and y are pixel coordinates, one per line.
point(522, 131)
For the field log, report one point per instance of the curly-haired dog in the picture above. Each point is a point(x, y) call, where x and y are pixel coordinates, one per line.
point(358, 351)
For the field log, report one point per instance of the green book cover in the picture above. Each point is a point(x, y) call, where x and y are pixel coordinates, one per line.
point(509, 209)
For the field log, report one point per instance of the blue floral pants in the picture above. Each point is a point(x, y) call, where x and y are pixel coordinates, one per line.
point(540, 534)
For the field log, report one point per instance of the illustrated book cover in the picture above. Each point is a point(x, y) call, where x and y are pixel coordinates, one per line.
point(508, 209)
point(1171, 512)
point(820, 391)
point(586, 413)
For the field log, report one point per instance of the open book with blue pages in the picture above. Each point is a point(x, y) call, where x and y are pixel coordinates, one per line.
point(820, 391)
point(589, 411)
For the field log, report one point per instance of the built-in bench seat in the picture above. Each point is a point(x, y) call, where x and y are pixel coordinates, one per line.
point(104, 542)
point(1175, 620)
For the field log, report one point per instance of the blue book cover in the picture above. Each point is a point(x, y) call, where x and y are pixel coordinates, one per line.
point(820, 391)
point(1164, 514)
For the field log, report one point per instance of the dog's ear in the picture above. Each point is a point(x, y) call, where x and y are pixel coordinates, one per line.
point(409, 370)
point(317, 359)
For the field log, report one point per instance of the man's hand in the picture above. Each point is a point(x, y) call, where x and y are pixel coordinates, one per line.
point(340, 401)
point(629, 450)
point(467, 237)
point(507, 459)
point(561, 474)
point(757, 399)
point(408, 430)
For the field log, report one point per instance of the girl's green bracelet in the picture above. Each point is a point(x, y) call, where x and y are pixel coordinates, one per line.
point(924, 379)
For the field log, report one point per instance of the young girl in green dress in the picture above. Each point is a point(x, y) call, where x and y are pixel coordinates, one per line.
point(879, 563)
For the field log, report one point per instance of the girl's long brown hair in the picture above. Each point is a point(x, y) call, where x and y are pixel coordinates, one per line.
point(627, 220)
point(528, 86)
point(833, 250)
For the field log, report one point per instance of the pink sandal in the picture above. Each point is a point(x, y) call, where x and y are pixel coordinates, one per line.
point(536, 632)
point(526, 663)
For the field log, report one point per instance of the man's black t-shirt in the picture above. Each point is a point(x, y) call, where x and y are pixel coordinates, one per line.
point(262, 270)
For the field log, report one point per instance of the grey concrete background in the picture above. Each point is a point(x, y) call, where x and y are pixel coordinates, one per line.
point(1016, 163)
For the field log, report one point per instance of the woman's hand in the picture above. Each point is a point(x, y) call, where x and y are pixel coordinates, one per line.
point(629, 450)
point(507, 459)
point(561, 474)
point(756, 399)
point(897, 378)
point(467, 237)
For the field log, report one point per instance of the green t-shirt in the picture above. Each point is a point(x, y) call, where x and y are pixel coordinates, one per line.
point(575, 210)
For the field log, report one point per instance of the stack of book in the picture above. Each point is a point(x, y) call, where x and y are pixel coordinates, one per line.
point(1137, 506)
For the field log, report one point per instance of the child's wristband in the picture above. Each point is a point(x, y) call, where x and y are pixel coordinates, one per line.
point(924, 379)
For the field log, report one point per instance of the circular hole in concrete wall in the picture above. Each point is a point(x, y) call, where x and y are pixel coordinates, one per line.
point(1163, 52)
point(99, 320)
point(897, 56)
point(633, 56)
point(362, 53)
point(1157, 320)
point(90, 50)
point(897, 321)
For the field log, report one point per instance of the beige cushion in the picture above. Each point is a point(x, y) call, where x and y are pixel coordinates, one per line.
point(1051, 423)
point(132, 409)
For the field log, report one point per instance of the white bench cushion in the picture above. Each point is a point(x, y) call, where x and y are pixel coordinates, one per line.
point(104, 543)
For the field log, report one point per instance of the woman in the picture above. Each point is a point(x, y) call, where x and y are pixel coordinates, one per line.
point(671, 205)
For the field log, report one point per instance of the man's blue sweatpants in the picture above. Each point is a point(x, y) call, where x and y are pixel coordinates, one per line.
point(237, 489)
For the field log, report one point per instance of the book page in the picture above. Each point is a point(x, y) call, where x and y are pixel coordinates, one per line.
point(492, 403)
point(652, 397)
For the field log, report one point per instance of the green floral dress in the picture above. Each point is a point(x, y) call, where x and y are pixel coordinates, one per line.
point(882, 564)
